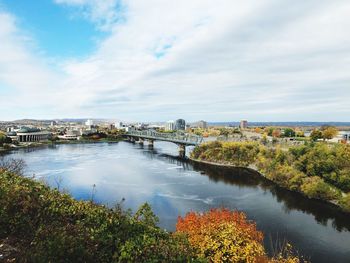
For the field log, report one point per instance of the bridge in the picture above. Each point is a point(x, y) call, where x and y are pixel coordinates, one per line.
point(181, 139)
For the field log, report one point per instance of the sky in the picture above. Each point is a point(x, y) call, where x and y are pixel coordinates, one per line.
point(156, 60)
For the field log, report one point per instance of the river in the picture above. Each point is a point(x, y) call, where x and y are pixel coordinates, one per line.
point(108, 173)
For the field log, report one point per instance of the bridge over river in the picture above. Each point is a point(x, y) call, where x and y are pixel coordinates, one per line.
point(179, 138)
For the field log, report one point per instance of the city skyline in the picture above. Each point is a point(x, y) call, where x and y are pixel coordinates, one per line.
point(132, 60)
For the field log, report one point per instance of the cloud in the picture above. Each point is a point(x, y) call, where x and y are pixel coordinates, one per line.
point(25, 80)
point(103, 13)
point(262, 60)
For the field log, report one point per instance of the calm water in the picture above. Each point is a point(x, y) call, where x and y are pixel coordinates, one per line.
point(174, 187)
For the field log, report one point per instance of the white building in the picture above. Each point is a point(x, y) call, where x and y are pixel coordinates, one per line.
point(118, 125)
point(170, 126)
point(70, 135)
point(89, 123)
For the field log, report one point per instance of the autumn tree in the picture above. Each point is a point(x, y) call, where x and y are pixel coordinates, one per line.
point(221, 235)
point(329, 133)
point(316, 134)
point(276, 133)
point(288, 132)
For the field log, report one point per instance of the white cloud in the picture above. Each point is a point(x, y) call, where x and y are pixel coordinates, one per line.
point(26, 82)
point(222, 60)
point(102, 12)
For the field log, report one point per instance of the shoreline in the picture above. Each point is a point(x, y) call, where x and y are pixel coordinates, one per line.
point(49, 143)
point(254, 169)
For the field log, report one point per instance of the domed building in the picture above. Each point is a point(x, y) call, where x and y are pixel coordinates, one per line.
point(26, 134)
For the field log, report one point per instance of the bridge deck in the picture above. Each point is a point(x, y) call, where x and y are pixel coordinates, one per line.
point(178, 138)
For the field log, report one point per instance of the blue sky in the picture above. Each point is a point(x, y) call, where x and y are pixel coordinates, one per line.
point(261, 60)
point(57, 30)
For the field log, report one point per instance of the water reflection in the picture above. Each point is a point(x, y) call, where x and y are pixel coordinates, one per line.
point(322, 211)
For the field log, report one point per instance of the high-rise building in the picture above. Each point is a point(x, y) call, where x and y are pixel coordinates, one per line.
point(119, 125)
point(244, 124)
point(202, 124)
point(180, 125)
point(89, 123)
point(170, 126)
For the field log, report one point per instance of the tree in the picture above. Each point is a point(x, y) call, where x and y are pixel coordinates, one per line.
point(316, 134)
point(16, 166)
point(300, 134)
point(258, 130)
point(2, 139)
point(329, 133)
point(222, 235)
point(224, 132)
point(269, 130)
point(288, 132)
point(276, 133)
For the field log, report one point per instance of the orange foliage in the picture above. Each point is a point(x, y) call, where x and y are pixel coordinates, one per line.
point(221, 235)
point(276, 133)
point(193, 221)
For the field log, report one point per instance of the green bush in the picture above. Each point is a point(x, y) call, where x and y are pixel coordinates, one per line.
point(234, 153)
point(315, 187)
point(345, 203)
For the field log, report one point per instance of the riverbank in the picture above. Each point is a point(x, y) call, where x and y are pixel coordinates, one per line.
point(303, 169)
point(59, 142)
point(255, 170)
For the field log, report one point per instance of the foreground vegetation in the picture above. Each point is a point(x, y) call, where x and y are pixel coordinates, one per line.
point(47, 226)
point(39, 224)
point(318, 170)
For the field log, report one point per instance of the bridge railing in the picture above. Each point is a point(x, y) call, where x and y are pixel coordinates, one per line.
point(172, 137)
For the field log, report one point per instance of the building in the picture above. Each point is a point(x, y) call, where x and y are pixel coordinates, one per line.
point(243, 125)
point(26, 134)
point(180, 125)
point(170, 126)
point(70, 135)
point(118, 125)
point(200, 124)
point(12, 135)
point(89, 123)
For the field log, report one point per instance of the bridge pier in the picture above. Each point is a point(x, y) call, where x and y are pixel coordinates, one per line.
point(141, 140)
point(182, 150)
point(150, 143)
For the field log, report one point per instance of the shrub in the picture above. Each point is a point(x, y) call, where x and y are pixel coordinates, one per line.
point(234, 153)
point(221, 235)
point(315, 187)
point(345, 202)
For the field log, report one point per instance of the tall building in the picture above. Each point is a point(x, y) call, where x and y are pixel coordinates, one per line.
point(244, 124)
point(202, 124)
point(170, 126)
point(119, 125)
point(180, 125)
point(89, 123)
